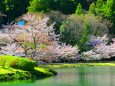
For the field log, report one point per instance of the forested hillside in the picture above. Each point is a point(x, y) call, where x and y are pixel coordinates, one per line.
point(15, 8)
point(83, 24)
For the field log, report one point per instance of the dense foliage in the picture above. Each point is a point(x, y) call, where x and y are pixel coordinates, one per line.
point(77, 29)
point(104, 9)
point(7, 73)
point(16, 62)
point(57, 30)
point(65, 6)
point(13, 8)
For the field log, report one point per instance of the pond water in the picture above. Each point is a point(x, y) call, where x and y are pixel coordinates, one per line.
point(82, 76)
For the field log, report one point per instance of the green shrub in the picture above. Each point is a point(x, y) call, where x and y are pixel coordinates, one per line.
point(71, 30)
point(17, 62)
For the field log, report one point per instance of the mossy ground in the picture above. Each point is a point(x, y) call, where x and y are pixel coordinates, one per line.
point(13, 74)
point(17, 74)
point(44, 71)
point(16, 68)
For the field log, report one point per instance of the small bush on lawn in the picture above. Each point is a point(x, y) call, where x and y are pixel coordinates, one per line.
point(16, 62)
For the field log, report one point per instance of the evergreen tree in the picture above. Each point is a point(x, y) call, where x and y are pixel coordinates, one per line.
point(99, 3)
point(110, 13)
point(85, 37)
point(92, 8)
point(79, 9)
point(109, 9)
point(99, 8)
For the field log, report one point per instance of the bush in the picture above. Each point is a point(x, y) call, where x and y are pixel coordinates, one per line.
point(17, 62)
point(57, 53)
point(94, 41)
point(75, 31)
point(98, 27)
point(100, 51)
point(71, 30)
point(58, 18)
point(91, 55)
point(4, 40)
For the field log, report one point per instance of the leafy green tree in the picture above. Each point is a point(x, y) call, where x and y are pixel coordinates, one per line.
point(71, 29)
point(65, 6)
point(13, 8)
point(39, 5)
point(79, 9)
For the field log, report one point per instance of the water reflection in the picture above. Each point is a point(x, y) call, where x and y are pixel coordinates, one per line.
point(82, 76)
point(97, 76)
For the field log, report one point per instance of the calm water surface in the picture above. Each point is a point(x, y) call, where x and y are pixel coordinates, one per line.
point(82, 76)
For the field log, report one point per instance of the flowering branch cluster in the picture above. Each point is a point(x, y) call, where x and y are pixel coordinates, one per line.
point(100, 51)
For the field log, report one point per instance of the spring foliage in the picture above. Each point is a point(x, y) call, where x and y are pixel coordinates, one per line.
point(17, 62)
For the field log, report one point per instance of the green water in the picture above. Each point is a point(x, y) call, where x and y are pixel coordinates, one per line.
point(82, 76)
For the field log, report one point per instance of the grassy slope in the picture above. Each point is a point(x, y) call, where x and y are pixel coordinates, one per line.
point(17, 74)
point(11, 74)
point(44, 71)
point(13, 67)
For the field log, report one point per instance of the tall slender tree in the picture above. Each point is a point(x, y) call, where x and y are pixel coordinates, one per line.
point(99, 7)
point(109, 11)
point(92, 8)
point(79, 9)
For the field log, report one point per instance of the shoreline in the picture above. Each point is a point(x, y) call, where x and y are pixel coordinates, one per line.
point(68, 65)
